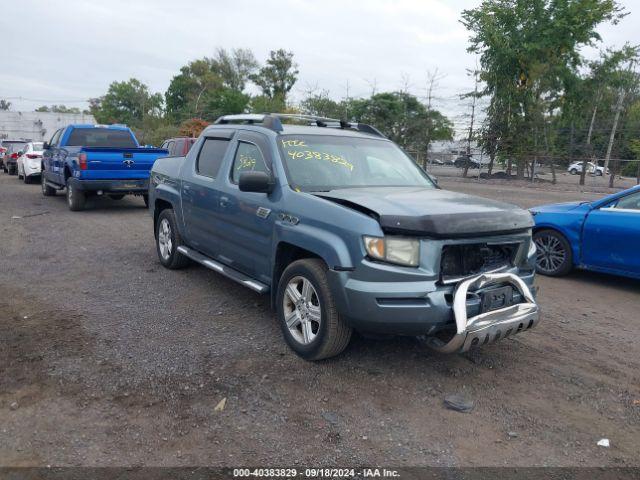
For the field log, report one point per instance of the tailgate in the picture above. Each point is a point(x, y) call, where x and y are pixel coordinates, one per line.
point(106, 163)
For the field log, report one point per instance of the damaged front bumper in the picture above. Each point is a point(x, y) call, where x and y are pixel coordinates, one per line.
point(489, 326)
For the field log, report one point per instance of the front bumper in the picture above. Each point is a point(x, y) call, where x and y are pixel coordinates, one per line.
point(137, 186)
point(427, 308)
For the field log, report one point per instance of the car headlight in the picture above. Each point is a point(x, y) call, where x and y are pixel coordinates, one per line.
point(398, 250)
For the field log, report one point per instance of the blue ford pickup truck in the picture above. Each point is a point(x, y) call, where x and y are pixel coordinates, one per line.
point(96, 160)
point(345, 232)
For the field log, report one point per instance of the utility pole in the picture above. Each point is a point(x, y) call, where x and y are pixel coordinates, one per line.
point(470, 137)
point(612, 136)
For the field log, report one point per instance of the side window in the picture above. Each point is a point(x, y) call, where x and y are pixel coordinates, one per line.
point(210, 156)
point(248, 159)
point(630, 202)
point(164, 145)
point(170, 145)
point(178, 148)
point(55, 139)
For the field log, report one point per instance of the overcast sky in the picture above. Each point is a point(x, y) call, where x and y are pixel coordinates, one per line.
point(68, 51)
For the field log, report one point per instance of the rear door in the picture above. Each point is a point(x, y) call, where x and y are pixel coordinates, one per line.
point(201, 192)
point(51, 158)
point(611, 236)
point(247, 218)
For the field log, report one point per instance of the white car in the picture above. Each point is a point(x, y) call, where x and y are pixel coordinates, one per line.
point(30, 162)
point(576, 167)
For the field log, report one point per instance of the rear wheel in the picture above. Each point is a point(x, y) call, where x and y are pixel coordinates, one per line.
point(75, 198)
point(599, 173)
point(573, 171)
point(307, 313)
point(553, 255)
point(47, 191)
point(168, 240)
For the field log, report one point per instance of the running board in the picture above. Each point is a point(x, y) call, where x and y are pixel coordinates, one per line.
point(53, 185)
point(224, 270)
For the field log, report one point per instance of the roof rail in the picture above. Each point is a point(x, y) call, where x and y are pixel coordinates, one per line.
point(273, 121)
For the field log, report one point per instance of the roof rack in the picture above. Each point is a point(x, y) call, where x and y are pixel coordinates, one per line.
point(273, 121)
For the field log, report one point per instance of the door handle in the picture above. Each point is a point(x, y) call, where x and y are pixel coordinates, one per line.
point(224, 202)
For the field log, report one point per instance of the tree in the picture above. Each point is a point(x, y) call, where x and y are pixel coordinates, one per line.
point(58, 109)
point(193, 127)
point(528, 49)
point(127, 102)
point(403, 118)
point(235, 68)
point(278, 76)
point(187, 91)
point(321, 105)
point(5, 105)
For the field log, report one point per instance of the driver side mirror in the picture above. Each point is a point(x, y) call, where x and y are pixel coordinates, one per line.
point(46, 146)
point(260, 182)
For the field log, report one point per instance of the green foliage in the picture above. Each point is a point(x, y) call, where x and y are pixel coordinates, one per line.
point(403, 118)
point(265, 104)
point(278, 76)
point(127, 102)
point(529, 57)
point(225, 101)
point(58, 109)
point(320, 104)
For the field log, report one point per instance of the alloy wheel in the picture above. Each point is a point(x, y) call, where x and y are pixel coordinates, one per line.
point(165, 243)
point(302, 311)
point(550, 254)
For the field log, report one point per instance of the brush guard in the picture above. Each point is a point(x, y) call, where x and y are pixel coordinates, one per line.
point(491, 326)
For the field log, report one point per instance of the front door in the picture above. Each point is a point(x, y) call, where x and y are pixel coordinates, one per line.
point(611, 237)
point(247, 218)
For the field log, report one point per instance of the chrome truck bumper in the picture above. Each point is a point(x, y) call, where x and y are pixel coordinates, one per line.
point(490, 326)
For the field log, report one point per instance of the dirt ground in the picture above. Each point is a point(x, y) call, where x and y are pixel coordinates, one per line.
point(108, 359)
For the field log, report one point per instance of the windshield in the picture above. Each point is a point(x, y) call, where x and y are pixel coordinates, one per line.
point(37, 146)
point(322, 163)
point(14, 146)
point(101, 137)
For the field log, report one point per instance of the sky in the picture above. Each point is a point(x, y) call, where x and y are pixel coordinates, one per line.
point(65, 52)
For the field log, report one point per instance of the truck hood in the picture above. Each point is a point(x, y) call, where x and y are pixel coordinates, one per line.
point(432, 212)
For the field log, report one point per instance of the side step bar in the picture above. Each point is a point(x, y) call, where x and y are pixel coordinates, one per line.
point(53, 185)
point(224, 270)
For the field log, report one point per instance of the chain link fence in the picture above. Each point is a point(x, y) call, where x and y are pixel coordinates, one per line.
point(567, 171)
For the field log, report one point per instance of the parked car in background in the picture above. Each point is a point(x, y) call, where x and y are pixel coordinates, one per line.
point(464, 160)
point(576, 168)
point(11, 154)
point(30, 162)
point(96, 160)
point(345, 232)
point(178, 146)
point(603, 236)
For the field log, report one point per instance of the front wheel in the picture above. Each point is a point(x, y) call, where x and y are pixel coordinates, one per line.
point(307, 313)
point(553, 253)
point(75, 198)
point(599, 173)
point(573, 171)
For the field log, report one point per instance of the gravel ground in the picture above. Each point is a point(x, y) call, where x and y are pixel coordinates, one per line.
point(108, 359)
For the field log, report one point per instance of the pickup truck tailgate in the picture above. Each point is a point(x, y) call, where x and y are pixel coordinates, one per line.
point(117, 163)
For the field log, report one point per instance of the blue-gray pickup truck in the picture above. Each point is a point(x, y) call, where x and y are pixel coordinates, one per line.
point(96, 160)
point(345, 232)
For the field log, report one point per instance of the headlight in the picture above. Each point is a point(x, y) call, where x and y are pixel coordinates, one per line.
point(398, 250)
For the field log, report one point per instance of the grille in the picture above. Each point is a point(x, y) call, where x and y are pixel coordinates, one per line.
point(472, 259)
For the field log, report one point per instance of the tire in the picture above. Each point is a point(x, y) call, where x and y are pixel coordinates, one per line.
point(116, 197)
point(12, 170)
point(146, 200)
point(75, 198)
point(20, 177)
point(26, 179)
point(47, 191)
point(554, 256)
point(599, 173)
point(316, 330)
point(168, 240)
point(573, 171)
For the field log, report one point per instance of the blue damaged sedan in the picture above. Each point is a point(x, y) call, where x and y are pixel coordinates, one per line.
point(603, 236)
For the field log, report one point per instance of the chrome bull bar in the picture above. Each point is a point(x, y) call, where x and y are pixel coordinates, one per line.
point(490, 326)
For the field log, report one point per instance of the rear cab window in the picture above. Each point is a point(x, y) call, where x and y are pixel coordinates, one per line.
point(101, 137)
point(211, 156)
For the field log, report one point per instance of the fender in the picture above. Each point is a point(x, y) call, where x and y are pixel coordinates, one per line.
point(328, 246)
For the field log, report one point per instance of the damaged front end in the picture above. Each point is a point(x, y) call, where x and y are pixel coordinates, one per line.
point(500, 318)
